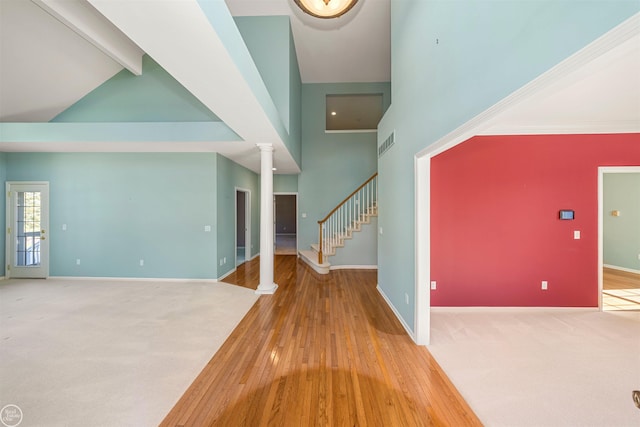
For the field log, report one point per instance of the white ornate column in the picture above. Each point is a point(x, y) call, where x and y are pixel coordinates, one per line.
point(266, 286)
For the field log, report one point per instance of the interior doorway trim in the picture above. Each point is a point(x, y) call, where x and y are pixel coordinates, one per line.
point(39, 238)
point(589, 59)
point(601, 171)
point(247, 223)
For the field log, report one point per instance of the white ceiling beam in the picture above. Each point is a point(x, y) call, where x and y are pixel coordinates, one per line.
point(179, 36)
point(82, 18)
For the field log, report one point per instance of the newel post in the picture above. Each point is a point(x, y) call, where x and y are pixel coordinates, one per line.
point(320, 257)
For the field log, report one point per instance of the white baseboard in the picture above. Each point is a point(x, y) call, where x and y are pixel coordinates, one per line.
point(353, 267)
point(255, 256)
point(133, 279)
point(393, 308)
point(628, 270)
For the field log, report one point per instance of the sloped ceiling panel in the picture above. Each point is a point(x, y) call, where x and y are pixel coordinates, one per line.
point(45, 67)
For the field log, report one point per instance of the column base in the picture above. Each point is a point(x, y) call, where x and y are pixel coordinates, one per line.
point(266, 289)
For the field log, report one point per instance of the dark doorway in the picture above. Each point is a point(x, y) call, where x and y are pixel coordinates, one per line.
point(243, 222)
point(286, 224)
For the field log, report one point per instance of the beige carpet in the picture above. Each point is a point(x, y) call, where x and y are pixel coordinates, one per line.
point(108, 353)
point(542, 368)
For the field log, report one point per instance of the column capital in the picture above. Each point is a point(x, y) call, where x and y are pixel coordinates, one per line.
point(265, 146)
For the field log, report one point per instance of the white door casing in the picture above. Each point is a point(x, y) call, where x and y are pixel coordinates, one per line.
point(27, 229)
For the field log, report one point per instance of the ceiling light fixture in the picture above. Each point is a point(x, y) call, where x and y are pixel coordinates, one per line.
point(325, 9)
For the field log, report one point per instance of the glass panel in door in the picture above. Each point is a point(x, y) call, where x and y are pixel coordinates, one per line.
point(28, 228)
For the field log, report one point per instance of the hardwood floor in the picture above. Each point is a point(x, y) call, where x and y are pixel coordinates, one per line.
point(620, 290)
point(322, 351)
point(618, 279)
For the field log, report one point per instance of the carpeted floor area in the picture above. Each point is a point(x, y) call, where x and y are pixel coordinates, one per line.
point(285, 244)
point(109, 353)
point(540, 367)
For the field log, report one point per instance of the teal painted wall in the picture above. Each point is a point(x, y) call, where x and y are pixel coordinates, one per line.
point(152, 97)
point(267, 38)
point(333, 164)
point(3, 208)
point(120, 208)
point(232, 176)
point(361, 249)
point(270, 43)
point(294, 143)
point(223, 23)
point(451, 61)
point(621, 238)
point(285, 183)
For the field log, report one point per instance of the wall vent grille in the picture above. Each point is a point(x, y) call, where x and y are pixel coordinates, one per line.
point(386, 144)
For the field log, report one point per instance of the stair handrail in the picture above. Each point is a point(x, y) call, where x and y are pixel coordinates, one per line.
point(323, 220)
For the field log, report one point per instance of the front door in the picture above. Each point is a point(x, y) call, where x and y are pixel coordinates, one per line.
point(27, 229)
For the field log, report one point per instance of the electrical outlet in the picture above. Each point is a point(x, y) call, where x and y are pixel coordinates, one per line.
point(545, 284)
point(224, 260)
point(141, 262)
point(64, 227)
point(406, 298)
point(78, 261)
point(433, 285)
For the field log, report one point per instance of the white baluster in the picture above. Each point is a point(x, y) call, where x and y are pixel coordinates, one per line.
point(341, 235)
point(367, 207)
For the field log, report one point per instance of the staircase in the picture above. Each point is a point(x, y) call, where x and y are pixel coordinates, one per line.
point(341, 223)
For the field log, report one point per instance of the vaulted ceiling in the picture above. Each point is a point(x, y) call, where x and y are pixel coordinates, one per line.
point(54, 52)
point(50, 58)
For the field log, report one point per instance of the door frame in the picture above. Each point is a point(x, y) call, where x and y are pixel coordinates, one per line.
point(9, 214)
point(601, 171)
point(247, 224)
point(285, 193)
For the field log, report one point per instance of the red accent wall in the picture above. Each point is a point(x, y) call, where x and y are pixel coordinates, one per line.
point(495, 232)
